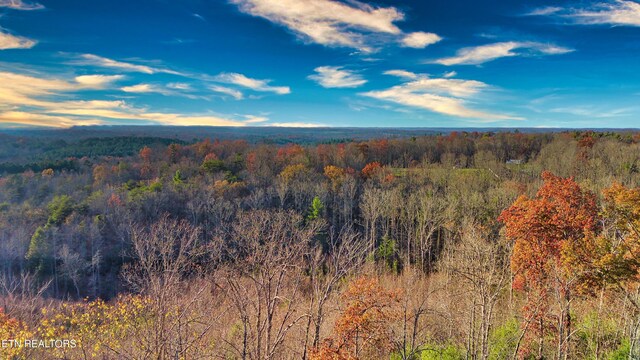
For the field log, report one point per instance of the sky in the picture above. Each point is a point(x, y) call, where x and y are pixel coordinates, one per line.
point(320, 63)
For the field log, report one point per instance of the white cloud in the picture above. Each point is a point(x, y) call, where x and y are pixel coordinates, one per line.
point(8, 41)
point(236, 94)
point(337, 77)
point(440, 95)
point(618, 12)
point(253, 84)
point(97, 81)
point(401, 74)
point(485, 53)
point(350, 24)
point(420, 40)
point(99, 61)
point(20, 5)
point(450, 74)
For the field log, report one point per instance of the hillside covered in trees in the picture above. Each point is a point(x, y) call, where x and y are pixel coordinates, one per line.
point(464, 245)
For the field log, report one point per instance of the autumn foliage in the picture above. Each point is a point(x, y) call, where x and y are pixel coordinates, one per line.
point(444, 246)
point(371, 169)
point(547, 230)
point(363, 330)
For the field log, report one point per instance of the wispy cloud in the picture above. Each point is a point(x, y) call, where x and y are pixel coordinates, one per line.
point(179, 86)
point(20, 5)
point(252, 119)
point(420, 40)
point(22, 119)
point(350, 24)
point(144, 88)
point(595, 111)
point(8, 41)
point(36, 100)
point(404, 74)
point(236, 94)
point(103, 62)
point(547, 10)
point(484, 53)
point(98, 81)
point(618, 12)
point(166, 90)
point(337, 77)
point(440, 95)
point(253, 84)
point(204, 81)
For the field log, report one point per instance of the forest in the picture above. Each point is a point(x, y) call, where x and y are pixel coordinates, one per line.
point(459, 245)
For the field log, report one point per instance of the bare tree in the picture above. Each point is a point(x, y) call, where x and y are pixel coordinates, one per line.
point(479, 263)
point(73, 266)
point(166, 254)
point(346, 252)
point(418, 291)
point(23, 296)
point(266, 252)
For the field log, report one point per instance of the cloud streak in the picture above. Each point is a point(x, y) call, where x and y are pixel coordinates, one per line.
point(146, 88)
point(211, 83)
point(250, 83)
point(103, 62)
point(20, 5)
point(337, 77)
point(98, 81)
point(441, 95)
point(617, 13)
point(484, 53)
point(236, 94)
point(22, 119)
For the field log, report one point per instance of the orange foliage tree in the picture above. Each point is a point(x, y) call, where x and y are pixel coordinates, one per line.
point(145, 155)
point(546, 230)
point(335, 175)
point(12, 333)
point(371, 169)
point(363, 330)
point(614, 256)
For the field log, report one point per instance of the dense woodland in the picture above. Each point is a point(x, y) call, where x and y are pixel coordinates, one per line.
point(467, 245)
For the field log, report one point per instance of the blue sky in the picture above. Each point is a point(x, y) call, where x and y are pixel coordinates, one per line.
point(320, 63)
